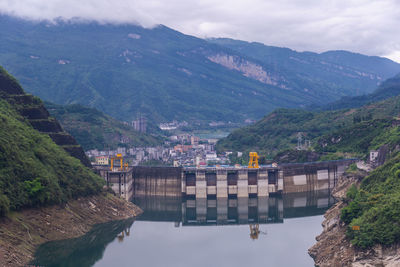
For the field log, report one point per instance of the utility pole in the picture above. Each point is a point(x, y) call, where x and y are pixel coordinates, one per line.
point(299, 141)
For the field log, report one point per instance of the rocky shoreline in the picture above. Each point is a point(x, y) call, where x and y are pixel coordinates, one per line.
point(333, 248)
point(22, 232)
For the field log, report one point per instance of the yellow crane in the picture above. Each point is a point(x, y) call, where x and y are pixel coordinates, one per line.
point(121, 161)
point(253, 160)
point(253, 164)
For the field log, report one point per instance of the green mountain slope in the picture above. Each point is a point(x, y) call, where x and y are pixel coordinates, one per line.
point(95, 130)
point(33, 169)
point(357, 74)
point(124, 70)
point(33, 110)
point(387, 89)
point(375, 207)
point(354, 131)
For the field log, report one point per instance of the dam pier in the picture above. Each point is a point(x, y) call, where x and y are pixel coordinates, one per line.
point(223, 182)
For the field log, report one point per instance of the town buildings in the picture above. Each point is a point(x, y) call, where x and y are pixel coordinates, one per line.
point(181, 150)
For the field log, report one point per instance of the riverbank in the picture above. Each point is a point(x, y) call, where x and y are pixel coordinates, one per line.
point(333, 248)
point(22, 232)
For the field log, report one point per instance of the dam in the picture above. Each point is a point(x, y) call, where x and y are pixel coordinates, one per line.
point(215, 216)
point(223, 182)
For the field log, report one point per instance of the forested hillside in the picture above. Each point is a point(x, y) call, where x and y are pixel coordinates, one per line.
point(124, 70)
point(94, 130)
point(34, 170)
point(387, 89)
point(375, 207)
point(352, 131)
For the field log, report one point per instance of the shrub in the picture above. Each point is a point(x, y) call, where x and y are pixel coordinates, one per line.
point(375, 207)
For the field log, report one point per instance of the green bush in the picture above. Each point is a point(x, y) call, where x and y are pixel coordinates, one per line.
point(375, 207)
point(352, 168)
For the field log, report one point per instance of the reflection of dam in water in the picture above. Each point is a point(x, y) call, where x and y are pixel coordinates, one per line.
point(225, 211)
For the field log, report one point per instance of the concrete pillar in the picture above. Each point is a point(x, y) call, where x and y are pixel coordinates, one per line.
point(222, 210)
point(183, 182)
point(201, 184)
point(222, 184)
point(243, 183)
point(280, 180)
point(262, 183)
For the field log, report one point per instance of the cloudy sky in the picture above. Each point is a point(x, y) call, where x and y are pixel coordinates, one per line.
point(370, 27)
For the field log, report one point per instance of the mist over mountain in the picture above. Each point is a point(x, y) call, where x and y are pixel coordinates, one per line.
point(124, 70)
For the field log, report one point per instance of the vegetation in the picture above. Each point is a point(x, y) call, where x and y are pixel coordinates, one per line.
point(124, 70)
point(94, 130)
point(387, 89)
point(375, 207)
point(296, 156)
point(356, 138)
point(278, 131)
point(34, 170)
point(332, 134)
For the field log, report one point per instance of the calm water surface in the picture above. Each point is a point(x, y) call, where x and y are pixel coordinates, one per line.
point(176, 232)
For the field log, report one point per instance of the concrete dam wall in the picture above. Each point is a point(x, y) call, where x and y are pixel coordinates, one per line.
point(157, 181)
point(236, 182)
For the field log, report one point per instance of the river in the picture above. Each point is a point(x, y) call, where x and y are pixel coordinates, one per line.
point(185, 232)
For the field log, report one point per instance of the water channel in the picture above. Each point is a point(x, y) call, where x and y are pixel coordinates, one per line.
point(272, 231)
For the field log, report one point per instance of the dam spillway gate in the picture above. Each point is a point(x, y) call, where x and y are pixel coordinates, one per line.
point(224, 182)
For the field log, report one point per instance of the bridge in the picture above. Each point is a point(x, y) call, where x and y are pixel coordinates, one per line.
point(223, 182)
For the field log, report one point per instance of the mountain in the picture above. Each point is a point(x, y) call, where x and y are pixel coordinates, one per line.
point(331, 133)
point(34, 112)
point(124, 70)
point(34, 170)
point(387, 89)
point(340, 71)
point(95, 130)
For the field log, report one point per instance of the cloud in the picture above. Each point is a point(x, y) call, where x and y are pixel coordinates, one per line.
point(364, 26)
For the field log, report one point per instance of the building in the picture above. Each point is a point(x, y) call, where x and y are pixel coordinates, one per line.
point(122, 151)
point(373, 155)
point(211, 157)
point(102, 160)
point(182, 148)
point(194, 140)
point(140, 124)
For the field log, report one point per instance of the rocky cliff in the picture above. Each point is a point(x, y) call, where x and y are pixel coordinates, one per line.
point(333, 248)
point(23, 232)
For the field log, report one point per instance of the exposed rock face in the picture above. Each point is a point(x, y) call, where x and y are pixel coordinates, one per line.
point(34, 111)
point(334, 249)
point(247, 68)
point(23, 232)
